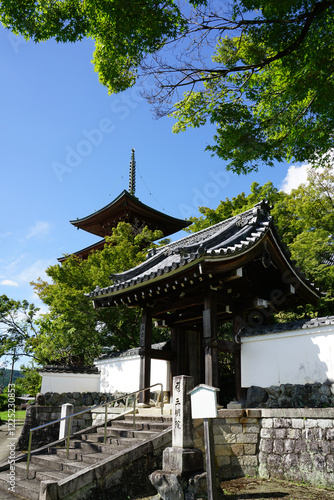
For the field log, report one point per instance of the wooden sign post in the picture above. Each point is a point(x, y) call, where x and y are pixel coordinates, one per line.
point(204, 405)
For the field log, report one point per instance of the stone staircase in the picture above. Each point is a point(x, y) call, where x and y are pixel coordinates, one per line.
point(93, 467)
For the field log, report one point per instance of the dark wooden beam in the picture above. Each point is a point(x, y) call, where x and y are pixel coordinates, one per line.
point(228, 346)
point(240, 392)
point(158, 354)
point(210, 339)
point(145, 357)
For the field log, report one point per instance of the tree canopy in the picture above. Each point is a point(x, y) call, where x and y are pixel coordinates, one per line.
point(17, 327)
point(261, 71)
point(75, 333)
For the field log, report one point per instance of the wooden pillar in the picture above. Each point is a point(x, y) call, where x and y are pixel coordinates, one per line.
point(145, 357)
point(210, 340)
point(174, 338)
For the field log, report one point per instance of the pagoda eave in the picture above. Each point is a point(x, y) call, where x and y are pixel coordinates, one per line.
point(126, 207)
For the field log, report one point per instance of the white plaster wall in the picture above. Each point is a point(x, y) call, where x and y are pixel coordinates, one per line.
point(69, 382)
point(292, 357)
point(122, 374)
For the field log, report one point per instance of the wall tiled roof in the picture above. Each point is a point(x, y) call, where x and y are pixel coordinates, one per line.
point(161, 346)
point(69, 369)
point(286, 327)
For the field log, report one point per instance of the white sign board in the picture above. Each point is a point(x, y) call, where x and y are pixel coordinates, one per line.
point(204, 401)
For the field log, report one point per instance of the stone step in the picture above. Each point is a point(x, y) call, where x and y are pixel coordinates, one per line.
point(73, 466)
point(154, 418)
point(47, 460)
point(78, 456)
point(115, 441)
point(86, 450)
point(94, 458)
point(140, 425)
point(89, 446)
point(51, 463)
point(24, 488)
point(126, 433)
point(41, 472)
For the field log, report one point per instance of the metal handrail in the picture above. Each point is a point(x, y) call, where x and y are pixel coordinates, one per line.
point(135, 393)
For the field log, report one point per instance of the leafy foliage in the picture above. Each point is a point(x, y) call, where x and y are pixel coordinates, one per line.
point(30, 382)
point(260, 71)
point(5, 377)
point(236, 205)
point(73, 332)
point(17, 327)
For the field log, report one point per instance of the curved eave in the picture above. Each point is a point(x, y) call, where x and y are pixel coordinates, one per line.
point(124, 206)
point(309, 287)
point(84, 252)
point(215, 262)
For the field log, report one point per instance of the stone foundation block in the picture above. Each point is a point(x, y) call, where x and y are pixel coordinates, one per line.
point(282, 422)
point(280, 433)
point(325, 423)
point(248, 438)
point(293, 433)
point(251, 429)
point(267, 423)
point(237, 449)
point(297, 423)
point(249, 449)
point(223, 450)
point(226, 438)
point(171, 486)
point(182, 460)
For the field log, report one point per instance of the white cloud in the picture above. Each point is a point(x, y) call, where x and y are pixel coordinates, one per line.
point(8, 283)
point(34, 271)
point(295, 177)
point(41, 228)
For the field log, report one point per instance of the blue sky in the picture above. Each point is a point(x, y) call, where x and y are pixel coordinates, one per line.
point(65, 152)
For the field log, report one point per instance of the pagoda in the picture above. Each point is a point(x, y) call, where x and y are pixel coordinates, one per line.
point(125, 208)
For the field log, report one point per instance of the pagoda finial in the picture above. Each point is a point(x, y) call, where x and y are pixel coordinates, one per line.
point(132, 173)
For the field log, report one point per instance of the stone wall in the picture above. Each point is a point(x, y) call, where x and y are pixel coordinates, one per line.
point(291, 444)
point(77, 398)
point(298, 445)
point(315, 395)
point(40, 415)
point(237, 440)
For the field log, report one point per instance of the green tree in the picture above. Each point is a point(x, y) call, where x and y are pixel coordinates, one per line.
point(17, 328)
point(305, 220)
point(73, 332)
point(261, 71)
point(30, 382)
point(236, 205)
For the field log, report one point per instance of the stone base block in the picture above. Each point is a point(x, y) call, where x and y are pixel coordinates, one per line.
point(173, 486)
point(235, 405)
point(182, 460)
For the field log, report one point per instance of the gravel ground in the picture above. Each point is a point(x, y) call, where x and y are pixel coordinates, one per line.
point(260, 489)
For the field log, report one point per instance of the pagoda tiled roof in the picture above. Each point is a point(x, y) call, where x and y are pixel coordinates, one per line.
point(228, 238)
point(127, 207)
